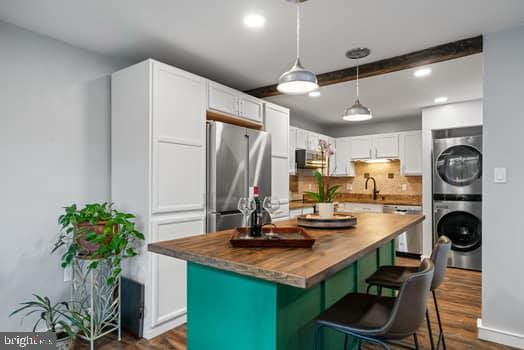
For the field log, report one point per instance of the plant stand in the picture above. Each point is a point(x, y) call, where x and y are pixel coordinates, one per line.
point(92, 296)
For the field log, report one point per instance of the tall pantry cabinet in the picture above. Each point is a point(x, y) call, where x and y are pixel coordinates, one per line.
point(158, 173)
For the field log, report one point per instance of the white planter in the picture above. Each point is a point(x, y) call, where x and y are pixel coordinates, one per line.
point(64, 343)
point(325, 210)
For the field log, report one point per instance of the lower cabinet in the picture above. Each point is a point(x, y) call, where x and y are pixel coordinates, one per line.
point(168, 283)
point(361, 207)
point(280, 180)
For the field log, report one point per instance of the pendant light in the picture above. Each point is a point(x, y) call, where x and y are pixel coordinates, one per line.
point(297, 80)
point(357, 112)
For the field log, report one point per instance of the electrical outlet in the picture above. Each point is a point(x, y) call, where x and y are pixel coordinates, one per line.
point(404, 187)
point(349, 187)
point(309, 187)
point(68, 274)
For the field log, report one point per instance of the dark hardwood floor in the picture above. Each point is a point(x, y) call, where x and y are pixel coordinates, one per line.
point(459, 301)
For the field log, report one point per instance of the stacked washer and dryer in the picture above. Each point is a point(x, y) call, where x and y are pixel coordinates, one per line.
point(457, 198)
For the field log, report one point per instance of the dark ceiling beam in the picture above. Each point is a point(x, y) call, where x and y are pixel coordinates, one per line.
point(431, 55)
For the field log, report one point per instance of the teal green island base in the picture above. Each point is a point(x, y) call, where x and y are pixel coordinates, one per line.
point(230, 311)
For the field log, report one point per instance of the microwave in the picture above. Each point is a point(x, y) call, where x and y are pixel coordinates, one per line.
point(309, 160)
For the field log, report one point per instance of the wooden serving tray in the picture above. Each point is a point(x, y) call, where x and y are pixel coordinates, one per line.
point(286, 237)
point(337, 221)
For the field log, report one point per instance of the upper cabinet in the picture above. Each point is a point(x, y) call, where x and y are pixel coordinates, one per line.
point(291, 152)
point(223, 99)
point(343, 164)
point(226, 100)
point(374, 147)
point(312, 142)
point(361, 147)
point(252, 108)
point(411, 153)
point(277, 124)
point(302, 139)
point(385, 146)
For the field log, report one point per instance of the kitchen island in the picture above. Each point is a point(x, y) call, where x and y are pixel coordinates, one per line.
point(240, 298)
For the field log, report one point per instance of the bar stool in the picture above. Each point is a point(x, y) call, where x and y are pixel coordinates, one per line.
point(378, 319)
point(393, 277)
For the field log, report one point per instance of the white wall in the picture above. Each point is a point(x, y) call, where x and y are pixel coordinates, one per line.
point(54, 151)
point(503, 233)
point(456, 115)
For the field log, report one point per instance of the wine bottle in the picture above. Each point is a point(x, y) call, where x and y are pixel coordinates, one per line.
point(256, 216)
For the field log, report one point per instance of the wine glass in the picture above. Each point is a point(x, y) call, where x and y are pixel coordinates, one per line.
point(271, 205)
point(246, 205)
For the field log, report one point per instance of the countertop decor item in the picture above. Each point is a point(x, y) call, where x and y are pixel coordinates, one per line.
point(336, 221)
point(325, 195)
point(272, 237)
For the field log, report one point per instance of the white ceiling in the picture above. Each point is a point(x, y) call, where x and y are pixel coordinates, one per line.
point(393, 95)
point(208, 37)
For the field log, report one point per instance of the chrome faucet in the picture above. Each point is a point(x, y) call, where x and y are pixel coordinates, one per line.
point(375, 191)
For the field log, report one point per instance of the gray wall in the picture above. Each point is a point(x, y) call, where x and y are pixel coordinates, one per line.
point(306, 124)
point(54, 150)
point(503, 234)
point(395, 125)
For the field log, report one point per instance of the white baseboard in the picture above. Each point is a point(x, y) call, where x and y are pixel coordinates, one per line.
point(500, 336)
point(164, 327)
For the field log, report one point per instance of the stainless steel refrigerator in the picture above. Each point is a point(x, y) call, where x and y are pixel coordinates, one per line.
point(237, 158)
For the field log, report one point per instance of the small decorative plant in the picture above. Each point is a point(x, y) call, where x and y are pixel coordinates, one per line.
point(97, 232)
point(326, 193)
point(58, 318)
point(324, 197)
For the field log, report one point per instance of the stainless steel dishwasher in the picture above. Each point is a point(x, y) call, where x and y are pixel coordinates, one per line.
point(408, 243)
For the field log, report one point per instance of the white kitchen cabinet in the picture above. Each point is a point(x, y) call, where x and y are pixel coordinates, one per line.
point(168, 293)
point(411, 153)
point(223, 99)
point(308, 210)
point(157, 138)
point(374, 146)
point(230, 101)
point(344, 165)
point(361, 147)
point(312, 142)
point(280, 179)
point(291, 153)
point(361, 207)
point(283, 213)
point(293, 213)
point(302, 139)
point(251, 108)
point(277, 124)
point(385, 146)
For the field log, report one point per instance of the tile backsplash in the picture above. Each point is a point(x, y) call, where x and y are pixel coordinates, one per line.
point(387, 175)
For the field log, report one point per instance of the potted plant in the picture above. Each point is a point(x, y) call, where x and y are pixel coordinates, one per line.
point(97, 232)
point(324, 197)
point(58, 318)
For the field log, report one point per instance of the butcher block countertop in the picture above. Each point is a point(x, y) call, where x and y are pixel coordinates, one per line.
point(333, 250)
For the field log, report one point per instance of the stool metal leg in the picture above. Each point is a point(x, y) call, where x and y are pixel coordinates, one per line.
point(369, 288)
point(346, 342)
point(441, 334)
point(415, 338)
point(317, 337)
point(430, 333)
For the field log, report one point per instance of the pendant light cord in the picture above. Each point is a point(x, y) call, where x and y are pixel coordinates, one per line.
point(298, 30)
point(357, 80)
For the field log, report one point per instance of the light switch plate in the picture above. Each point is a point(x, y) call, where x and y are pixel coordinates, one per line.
point(404, 187)
point(499, 176)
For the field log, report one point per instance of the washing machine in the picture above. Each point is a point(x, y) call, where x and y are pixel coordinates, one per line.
point(457, 168)
point(461, 221)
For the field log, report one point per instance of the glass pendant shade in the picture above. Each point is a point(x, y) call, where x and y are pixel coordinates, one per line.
point(357, 113)
point(297, 81)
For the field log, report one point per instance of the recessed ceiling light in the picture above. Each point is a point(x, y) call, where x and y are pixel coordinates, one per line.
point(254, 20)
point(441, 99)
point(422, 72)
point(314, 94)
